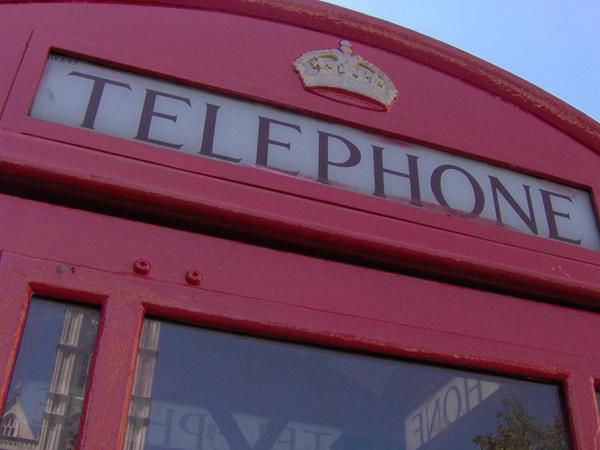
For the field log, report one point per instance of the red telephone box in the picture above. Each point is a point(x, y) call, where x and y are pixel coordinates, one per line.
point(284, 225)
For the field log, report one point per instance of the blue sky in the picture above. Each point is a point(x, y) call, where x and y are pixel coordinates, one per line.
point(554, 44)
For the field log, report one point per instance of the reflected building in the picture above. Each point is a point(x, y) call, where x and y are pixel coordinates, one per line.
point(15, 430)
point(62, 413)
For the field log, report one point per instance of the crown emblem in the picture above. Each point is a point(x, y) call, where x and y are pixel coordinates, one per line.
point(342, 76)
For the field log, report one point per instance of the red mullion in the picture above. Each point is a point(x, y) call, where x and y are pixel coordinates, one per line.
point(104, 421)
point(582, 411)
point(14, 304)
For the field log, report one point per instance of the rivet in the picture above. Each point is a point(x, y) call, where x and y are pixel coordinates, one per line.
point(193, 277)
point(142, 267)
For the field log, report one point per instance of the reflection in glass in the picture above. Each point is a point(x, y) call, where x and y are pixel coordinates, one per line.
point(203, 389)
point(46, 392)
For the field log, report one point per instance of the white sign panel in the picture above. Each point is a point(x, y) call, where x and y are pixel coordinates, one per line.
point(184, 119)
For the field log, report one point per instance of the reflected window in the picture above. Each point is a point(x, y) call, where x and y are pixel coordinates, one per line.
point(9, 425)
point(48, 384)
point(203, 389)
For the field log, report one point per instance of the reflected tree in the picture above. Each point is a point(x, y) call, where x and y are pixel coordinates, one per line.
point(518, 431)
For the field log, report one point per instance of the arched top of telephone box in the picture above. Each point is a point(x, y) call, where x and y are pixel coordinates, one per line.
point(355, 132)
point(334, 20)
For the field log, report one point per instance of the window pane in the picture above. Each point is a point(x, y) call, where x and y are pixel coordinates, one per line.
point(46, 392)
point(204, 389)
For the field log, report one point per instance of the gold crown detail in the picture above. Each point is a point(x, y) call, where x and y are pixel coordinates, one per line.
point(339, 70)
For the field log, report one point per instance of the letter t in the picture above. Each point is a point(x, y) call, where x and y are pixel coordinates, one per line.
point(95, 96)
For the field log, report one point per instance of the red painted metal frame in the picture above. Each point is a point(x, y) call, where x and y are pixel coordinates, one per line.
point(273, 293)
point(398, 235)
point(448, 100)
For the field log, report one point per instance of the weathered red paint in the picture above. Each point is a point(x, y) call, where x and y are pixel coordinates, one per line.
point(447, 99)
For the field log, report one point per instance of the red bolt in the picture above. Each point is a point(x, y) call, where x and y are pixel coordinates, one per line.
point(142, 267)
point(193, 277)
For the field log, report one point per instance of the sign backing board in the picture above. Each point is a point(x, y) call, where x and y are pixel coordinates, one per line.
point(176, 117)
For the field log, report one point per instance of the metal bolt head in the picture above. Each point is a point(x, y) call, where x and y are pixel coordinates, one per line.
point(142, 267)
point(193, 277)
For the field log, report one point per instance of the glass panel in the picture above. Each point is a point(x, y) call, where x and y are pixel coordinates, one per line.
point(204, 389)
point(46, 392)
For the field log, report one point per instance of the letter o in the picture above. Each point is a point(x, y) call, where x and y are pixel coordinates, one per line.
point(458, 405)
point(436, 187)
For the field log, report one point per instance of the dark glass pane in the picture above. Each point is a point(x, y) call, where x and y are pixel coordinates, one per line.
point(204, 389)
point(46, 392)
